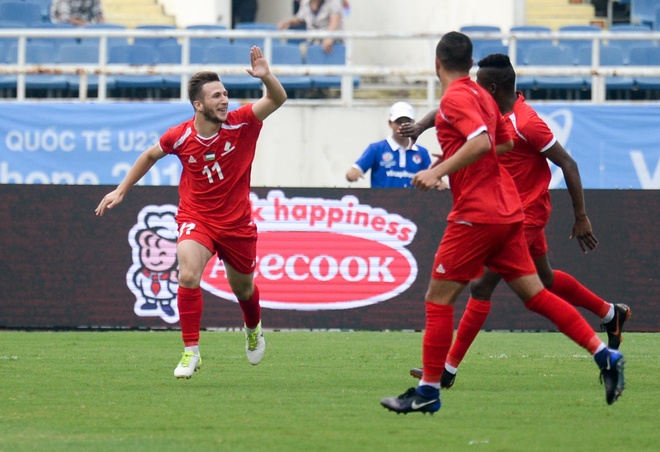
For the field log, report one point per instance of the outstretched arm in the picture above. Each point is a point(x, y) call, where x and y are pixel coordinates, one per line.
point(275, 94)
point(141, 166)
point(582, 227)
point(413, 130)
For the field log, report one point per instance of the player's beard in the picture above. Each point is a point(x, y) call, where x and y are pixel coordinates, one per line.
point(211, 115)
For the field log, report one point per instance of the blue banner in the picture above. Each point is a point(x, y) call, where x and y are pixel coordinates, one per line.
point(615, 146)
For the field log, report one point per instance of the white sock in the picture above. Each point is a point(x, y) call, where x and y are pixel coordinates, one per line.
point(424, 382)
point(193, 348)
point(610, 314)
point(451, 369)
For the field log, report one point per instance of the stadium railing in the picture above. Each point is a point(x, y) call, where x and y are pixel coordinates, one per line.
point(596, 74)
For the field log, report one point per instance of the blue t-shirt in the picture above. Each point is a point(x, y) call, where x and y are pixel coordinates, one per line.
point(391, 165)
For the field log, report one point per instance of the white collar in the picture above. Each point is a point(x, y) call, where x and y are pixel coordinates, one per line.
point(395, 146)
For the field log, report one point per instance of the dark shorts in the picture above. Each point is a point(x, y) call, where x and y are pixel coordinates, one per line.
point(466, 248)
point(236, 247)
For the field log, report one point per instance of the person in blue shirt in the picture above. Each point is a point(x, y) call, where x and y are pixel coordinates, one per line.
point(395, 160)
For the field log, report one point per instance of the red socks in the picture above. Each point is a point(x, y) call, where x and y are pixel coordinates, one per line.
point(566, 318)
point(190, 314)
point(437, 340)
point(190, 306)
point(473, 319)
point(251, 309)
point(568, 288)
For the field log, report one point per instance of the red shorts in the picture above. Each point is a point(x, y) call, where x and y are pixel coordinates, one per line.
point(466, 248)
point(536, 242)
point(236, 247)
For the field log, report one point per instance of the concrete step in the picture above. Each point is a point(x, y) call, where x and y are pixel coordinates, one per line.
point(557, 13)
point(131, 21)
point(136, 12)
point(141, 10)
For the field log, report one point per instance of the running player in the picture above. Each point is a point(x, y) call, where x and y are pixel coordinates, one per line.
point(216, 149)
point(534, 144)
point(485, 228)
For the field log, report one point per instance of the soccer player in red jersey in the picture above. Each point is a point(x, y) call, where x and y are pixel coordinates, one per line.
point(485, 228)
point(216, 149)
point(534, 144)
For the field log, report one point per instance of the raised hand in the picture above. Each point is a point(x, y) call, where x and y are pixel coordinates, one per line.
point(259, 64)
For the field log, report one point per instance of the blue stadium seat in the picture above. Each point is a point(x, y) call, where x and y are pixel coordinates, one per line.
point(486, 50)
point(21, 12)
point(232, 54)
point(44, 6)
point(42, 53)
point(645, 56)
point(627, 44)
point(82, 54)
point(289, 54)
point(479, 43)
point(643, 11)
point(197, 53)
point(104, 26)
point(656, 19)
point(5, 25)
point(135, 55)
point(253, 26)
point(547, 55)
point(577, 44)
point(170, 54)
point(54, 40)
point(480, 29)
point(6, 81)
point(522, 45)
point(611, 55)
point(316, 56)
point(155, 41)
point(203, 41)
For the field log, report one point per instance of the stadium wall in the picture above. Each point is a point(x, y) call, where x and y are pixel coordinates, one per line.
point(328, 258)
point(615, 145)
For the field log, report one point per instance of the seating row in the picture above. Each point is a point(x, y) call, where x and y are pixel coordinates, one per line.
point(170, 54)
point(485, 46)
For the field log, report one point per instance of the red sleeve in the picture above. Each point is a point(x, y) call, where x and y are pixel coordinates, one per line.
point(462, 116)
point(537, 133)
point(166, 142)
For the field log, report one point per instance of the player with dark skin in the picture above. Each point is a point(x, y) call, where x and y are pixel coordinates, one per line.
point(498, 78)
point(506, 96)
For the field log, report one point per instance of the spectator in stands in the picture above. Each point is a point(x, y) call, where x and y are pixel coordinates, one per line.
point(296, 5)
point(395, 160)
point(76, 12)
point(243, 11)
point(317, 15)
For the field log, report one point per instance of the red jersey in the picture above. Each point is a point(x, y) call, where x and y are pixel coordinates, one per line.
point(483, 191)
point(215, 182)
point(526, 162)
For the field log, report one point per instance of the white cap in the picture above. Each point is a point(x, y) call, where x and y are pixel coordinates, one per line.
point(402, 110)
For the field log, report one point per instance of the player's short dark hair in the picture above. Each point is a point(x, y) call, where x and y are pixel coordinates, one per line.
point(497, 69)
point(197, 82)
point(455, 52)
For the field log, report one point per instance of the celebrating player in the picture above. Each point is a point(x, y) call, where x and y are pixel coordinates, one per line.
point(216, 149)
point(485, 228)
point(534, 144)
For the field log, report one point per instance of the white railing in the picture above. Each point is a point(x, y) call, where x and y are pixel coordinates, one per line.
point(424, 71)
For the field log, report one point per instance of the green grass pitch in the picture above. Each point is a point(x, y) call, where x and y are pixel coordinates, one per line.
point(316, 391)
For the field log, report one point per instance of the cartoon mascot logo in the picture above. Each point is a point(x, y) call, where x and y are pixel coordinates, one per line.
point(153, 278)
